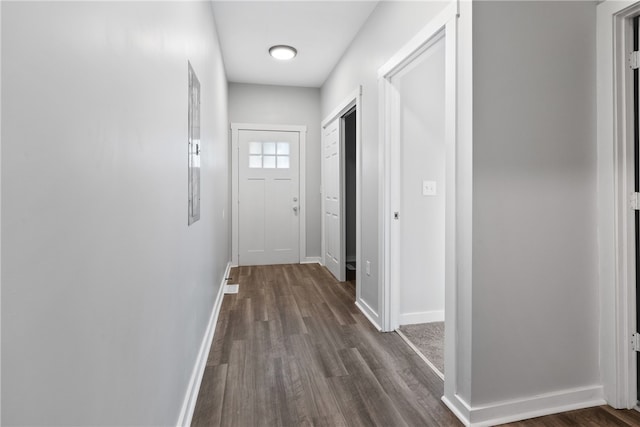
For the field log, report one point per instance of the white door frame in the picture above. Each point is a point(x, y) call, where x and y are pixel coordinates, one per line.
point(393, 168)
point(235, 130)
point(616, 234)
point(443, 25)
point(353, 100)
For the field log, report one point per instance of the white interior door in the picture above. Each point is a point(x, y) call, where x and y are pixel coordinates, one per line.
point(333, 221)
point(268, 197)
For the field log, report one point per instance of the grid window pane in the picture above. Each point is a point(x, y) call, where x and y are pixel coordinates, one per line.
point(283, 162)
point(283, 148)
point(255, 162)
point(255, 148)
point(269, 162)
point(269, 148)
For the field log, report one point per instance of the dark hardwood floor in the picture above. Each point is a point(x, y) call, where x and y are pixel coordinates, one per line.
point(600, 416)
point(292, 349)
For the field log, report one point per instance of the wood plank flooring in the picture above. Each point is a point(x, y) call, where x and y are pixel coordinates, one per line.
point(291, 349)
point(600, 416)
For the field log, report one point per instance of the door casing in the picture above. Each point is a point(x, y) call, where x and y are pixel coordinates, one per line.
point(235, 129)
point(616, 228)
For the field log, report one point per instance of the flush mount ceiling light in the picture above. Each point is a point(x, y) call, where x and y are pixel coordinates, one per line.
point(282, 52)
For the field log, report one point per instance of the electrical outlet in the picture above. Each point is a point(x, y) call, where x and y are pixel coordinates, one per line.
point(368, 268)
point(428, 188)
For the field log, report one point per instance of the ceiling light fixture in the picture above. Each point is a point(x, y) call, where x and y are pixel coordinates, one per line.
point(282, 52)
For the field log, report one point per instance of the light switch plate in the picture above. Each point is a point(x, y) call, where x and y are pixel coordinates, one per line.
point(429, 188)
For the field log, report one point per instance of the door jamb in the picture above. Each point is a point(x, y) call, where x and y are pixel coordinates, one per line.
point(616, 220)
point(235, 130)
point(354, 99)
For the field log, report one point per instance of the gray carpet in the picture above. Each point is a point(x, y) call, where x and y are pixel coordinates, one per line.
point(429, 338)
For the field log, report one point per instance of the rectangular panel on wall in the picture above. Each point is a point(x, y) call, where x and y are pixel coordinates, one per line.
point(194, 147)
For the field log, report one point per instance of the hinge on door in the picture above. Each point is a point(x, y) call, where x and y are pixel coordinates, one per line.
point(634, 201)
point(635, 341)
point(634, 60)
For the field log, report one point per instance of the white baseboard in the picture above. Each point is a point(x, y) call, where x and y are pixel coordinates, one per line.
point(421, 317)
point(311, 260)
point(189, 403)
point(459, 408)
point(369, 313)
point(521, 409)
point(420, 355)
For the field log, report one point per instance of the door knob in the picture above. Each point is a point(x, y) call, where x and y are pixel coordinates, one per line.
point(295, 209)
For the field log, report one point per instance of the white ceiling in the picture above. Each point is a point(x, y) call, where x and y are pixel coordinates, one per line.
point(320, 30)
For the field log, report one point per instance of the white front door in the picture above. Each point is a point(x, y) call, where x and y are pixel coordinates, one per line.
point(333, 250)
point(268, 197)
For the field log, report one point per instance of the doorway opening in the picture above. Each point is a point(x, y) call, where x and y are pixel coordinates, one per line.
point(421, 235)
point(350, 186)
point(419, 188)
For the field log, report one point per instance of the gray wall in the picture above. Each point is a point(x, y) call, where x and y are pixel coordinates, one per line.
point(389, 27)
point(106, 292)
point(286, 105)
point(535, 289)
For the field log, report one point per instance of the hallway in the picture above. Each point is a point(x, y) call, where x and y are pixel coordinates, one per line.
point(291, 348)
point(119, 215)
